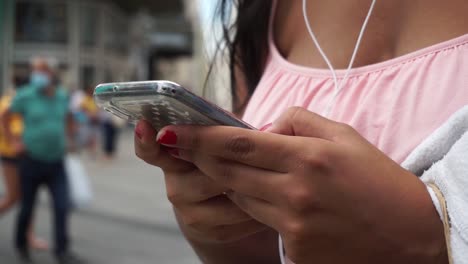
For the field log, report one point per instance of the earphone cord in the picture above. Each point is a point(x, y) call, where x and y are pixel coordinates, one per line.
point(338, 85)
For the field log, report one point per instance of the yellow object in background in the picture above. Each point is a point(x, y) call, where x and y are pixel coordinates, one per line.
point(15, 126)
point(89, 106)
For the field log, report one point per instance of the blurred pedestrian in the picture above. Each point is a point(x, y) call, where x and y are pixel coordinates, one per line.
point(76, 97)
point(110, 128)
point(44, 106)
point(10, 160)
point(90, 126)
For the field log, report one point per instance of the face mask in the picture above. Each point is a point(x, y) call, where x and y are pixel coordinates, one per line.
point(40, 80)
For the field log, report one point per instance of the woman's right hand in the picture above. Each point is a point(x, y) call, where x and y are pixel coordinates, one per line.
point(204, 213)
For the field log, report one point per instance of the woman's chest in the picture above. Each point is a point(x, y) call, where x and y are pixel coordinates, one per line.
point(395, 105)
point(395, 28)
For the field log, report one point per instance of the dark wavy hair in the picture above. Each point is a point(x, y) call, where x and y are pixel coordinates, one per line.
point(245, 38)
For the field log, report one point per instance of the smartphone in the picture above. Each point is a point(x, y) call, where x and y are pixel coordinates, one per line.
point(161, 103)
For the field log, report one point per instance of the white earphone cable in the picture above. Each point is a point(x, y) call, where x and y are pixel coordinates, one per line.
point(281, 250)
point(338, 86)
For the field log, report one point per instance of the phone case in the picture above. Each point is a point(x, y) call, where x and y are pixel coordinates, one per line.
point(161, 103)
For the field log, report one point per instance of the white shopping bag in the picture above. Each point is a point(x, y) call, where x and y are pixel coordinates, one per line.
point(78, 182)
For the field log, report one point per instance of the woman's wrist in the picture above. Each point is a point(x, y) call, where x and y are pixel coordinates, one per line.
point(440, 205)
point(426, 244)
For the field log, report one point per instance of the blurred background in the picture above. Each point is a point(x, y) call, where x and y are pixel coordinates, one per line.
point(129, 219)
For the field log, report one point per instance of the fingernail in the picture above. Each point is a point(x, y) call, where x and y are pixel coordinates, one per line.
point(174, 152)
point(265, 127)
point(138, 131)
point(167, 137)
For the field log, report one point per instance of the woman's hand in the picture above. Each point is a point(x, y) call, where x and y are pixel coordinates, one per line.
point(205, 214)
point(332, 196)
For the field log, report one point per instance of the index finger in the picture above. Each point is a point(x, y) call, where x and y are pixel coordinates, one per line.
point(254, 148)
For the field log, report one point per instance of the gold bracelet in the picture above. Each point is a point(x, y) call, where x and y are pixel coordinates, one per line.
point(445, 219)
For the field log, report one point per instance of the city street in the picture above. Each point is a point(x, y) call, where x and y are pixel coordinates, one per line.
point(129, 222)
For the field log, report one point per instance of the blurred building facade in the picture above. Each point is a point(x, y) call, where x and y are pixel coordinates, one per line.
point(99, 40)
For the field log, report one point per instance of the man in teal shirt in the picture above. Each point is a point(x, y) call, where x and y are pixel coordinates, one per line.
point(44, 114)
point(43, 105)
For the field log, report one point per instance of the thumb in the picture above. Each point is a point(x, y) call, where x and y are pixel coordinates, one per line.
point(297, 121)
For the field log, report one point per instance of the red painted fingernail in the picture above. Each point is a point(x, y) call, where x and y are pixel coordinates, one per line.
point(174, 152)
point(167, 138)
point(138, 131)
point(265, 127)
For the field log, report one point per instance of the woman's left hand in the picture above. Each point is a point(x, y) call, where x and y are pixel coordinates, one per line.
point(332, 196)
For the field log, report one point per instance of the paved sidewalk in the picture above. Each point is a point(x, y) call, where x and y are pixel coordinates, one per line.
point(129, 222)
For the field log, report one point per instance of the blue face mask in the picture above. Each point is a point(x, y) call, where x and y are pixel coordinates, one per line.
point(40, 80)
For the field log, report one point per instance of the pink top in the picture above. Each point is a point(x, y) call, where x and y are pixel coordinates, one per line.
point(394, 104)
